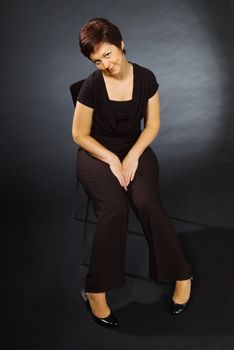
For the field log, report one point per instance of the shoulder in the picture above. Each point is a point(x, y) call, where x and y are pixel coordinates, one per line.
point(87, 91)
point(147, 79)
point(92, 82)
point(144, 71)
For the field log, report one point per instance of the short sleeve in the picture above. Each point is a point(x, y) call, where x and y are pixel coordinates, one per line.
point(152, 84)
point(86, 95)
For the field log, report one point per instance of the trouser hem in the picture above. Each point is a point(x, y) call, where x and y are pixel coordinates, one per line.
point(102, 289)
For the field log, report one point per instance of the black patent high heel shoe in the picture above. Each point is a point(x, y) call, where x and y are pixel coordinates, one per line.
point(109, 321)
point(177, 309)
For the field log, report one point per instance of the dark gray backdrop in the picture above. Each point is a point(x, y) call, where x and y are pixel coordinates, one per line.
point(189, 47)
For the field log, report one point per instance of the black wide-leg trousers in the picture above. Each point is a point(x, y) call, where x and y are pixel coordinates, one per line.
point(111, 205)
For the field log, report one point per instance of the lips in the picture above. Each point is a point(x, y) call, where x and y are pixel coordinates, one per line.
point(111, 70)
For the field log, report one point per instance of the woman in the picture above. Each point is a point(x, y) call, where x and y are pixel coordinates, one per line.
point(116, 166)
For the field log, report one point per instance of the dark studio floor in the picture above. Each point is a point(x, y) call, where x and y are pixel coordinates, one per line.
point(44, 278)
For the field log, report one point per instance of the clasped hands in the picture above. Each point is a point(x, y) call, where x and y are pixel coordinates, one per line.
point(126, 170)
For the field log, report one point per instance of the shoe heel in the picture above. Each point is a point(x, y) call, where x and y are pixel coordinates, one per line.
point(109, 321)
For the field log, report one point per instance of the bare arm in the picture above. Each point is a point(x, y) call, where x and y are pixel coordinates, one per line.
point(81, 128)
point(151, 129)
point(152, 125)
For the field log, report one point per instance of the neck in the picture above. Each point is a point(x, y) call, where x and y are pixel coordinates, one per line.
point(124, 73)
point(125, 70)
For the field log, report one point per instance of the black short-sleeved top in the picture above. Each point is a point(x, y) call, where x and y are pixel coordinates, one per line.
point(117, 124)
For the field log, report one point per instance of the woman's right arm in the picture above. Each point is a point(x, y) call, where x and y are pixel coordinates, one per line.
point(81, 128)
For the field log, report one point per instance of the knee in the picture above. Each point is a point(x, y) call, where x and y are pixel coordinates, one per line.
point(116, 207)
point(119, 207)
point(143, 201)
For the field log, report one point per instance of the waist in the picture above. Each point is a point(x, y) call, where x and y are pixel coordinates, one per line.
point(117, 144)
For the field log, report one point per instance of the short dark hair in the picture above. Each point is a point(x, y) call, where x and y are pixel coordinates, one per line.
point(96, 31)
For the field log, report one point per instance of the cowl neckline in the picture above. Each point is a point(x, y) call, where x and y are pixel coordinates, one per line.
point(106, 92)
point(105, 104)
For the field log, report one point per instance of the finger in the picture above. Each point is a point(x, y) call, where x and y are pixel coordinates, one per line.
point(124, 176)
point(123, 182)
point(126, 182)
point(120, 179)
point(132, 177)
point(127, 176)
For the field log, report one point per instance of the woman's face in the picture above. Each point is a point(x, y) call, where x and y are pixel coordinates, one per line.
point(108, 58)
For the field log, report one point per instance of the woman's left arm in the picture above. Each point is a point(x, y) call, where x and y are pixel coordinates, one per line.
point(148, 134)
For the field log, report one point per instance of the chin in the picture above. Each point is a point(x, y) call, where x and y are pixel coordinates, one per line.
point(114, 69)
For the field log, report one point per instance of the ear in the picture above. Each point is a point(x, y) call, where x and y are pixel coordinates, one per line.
point(122, 45)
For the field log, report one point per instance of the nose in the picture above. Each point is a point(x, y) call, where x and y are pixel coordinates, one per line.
point(106, 64)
